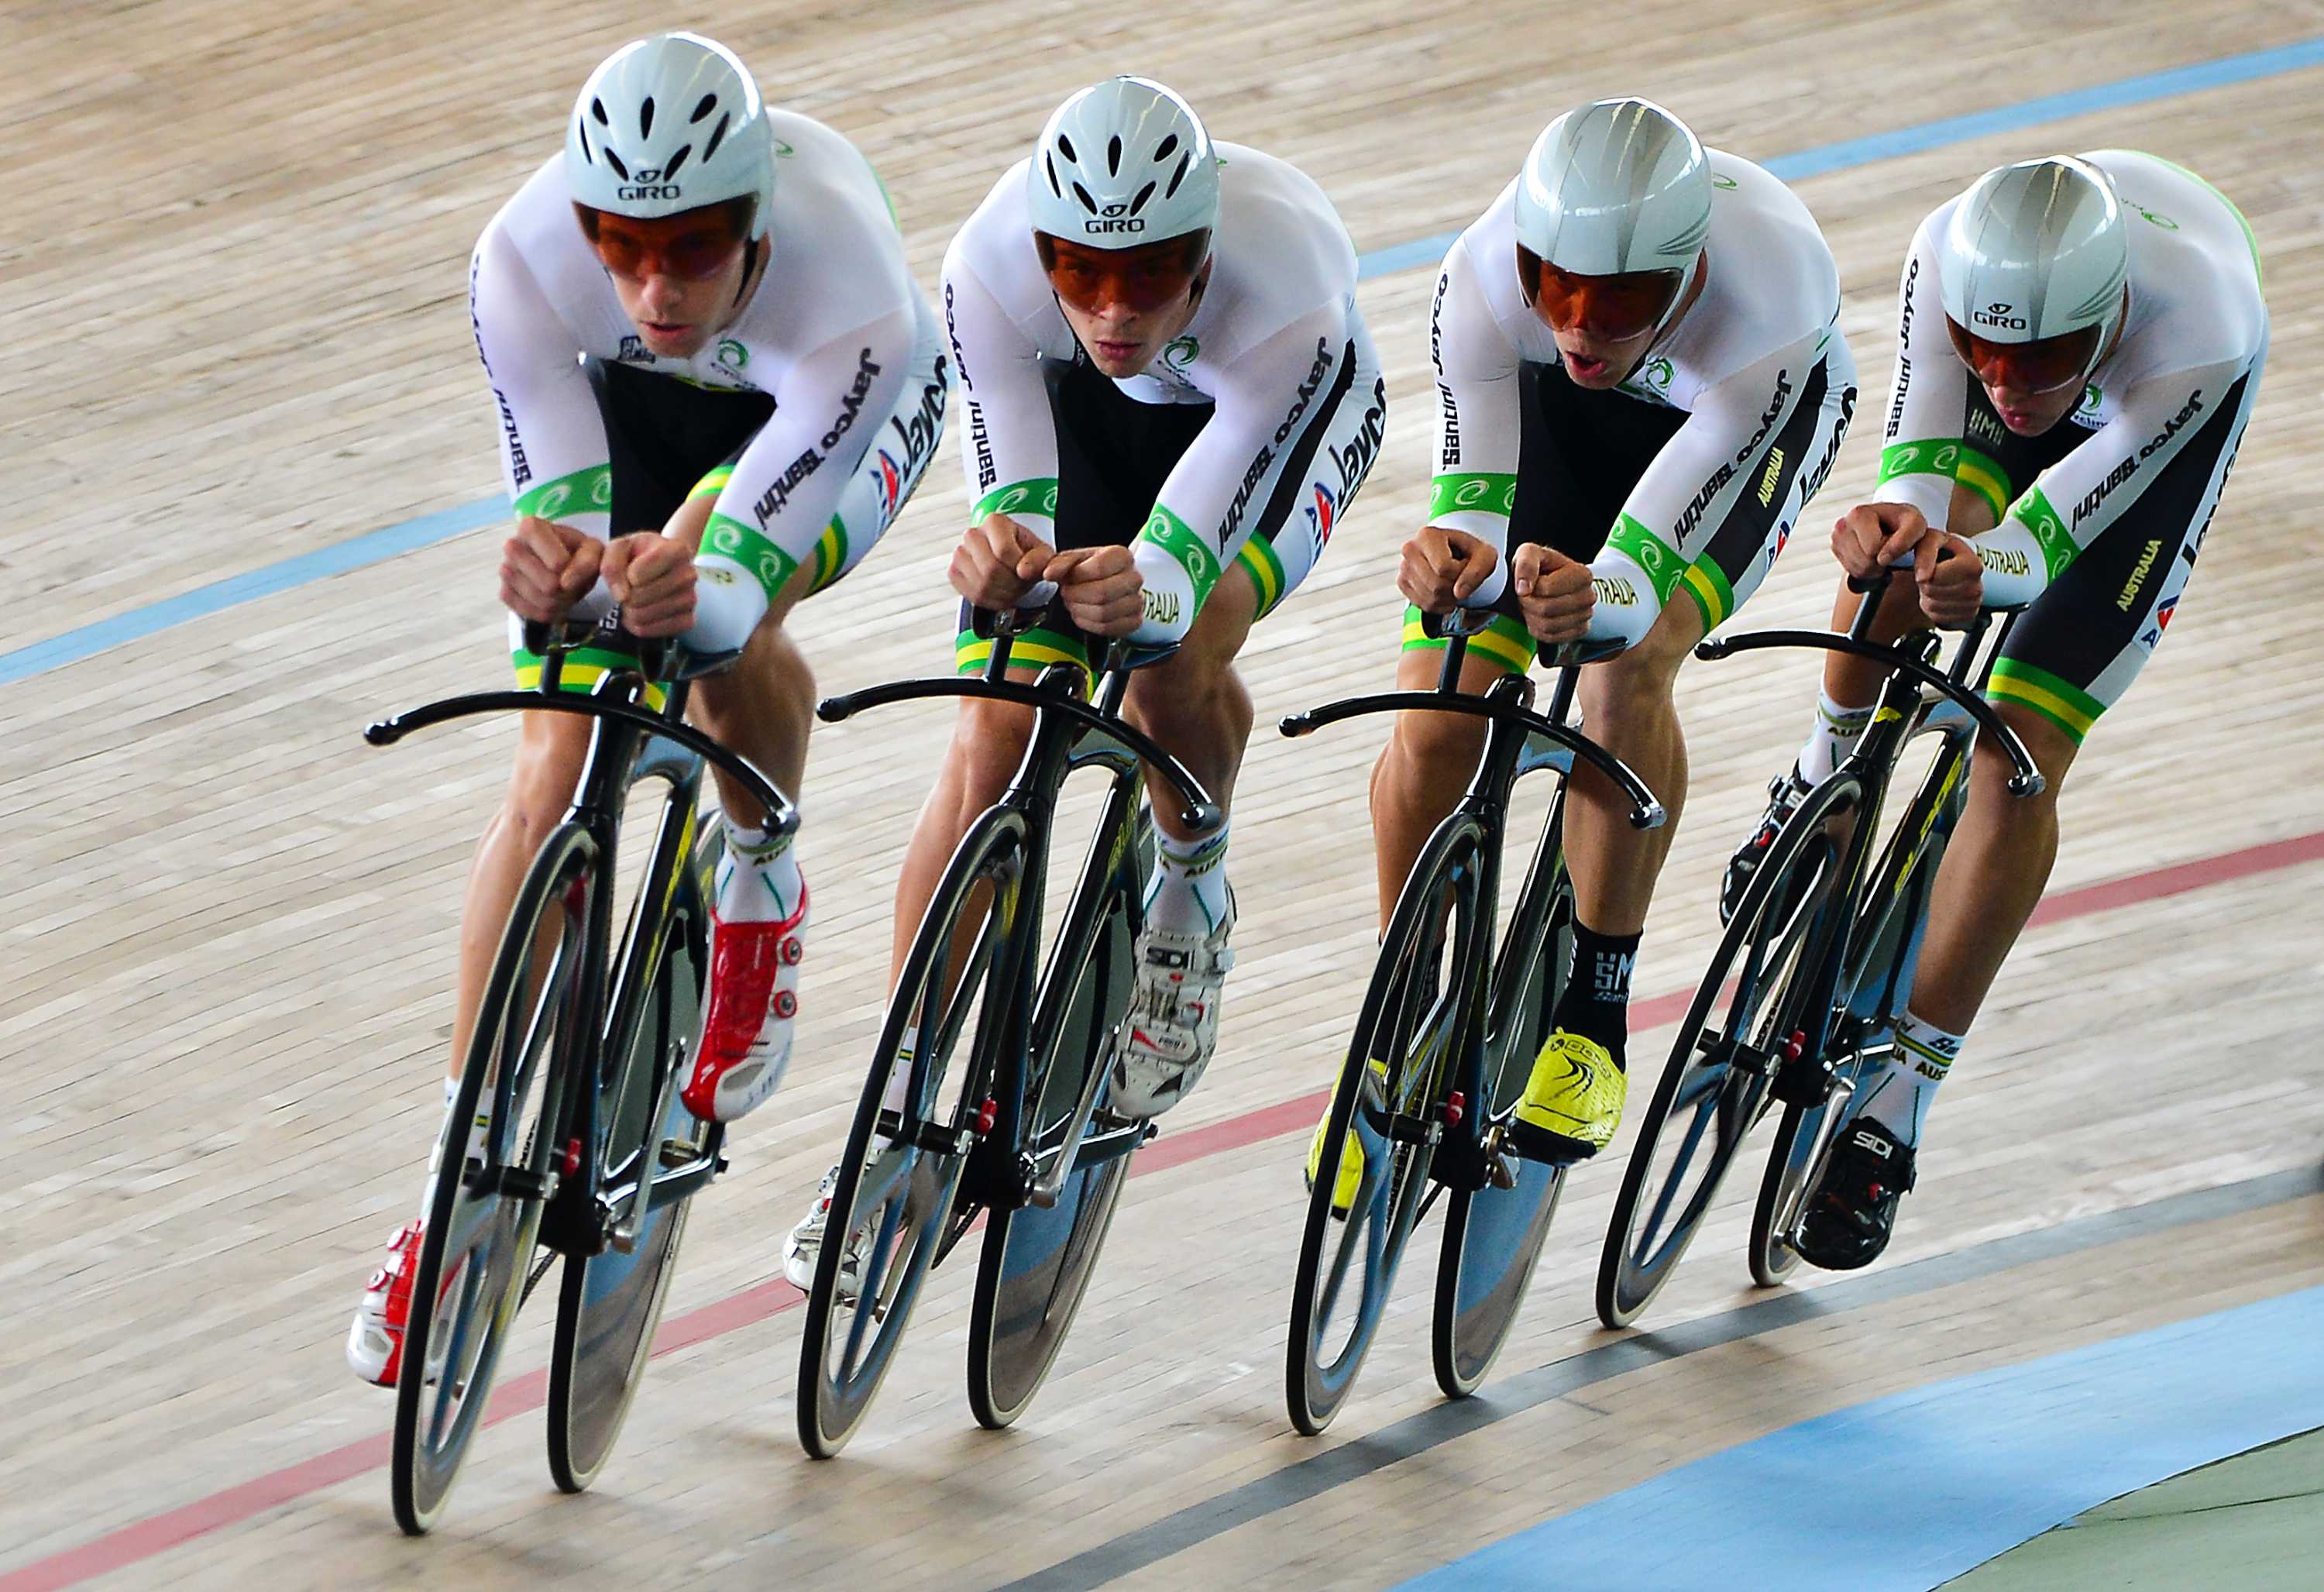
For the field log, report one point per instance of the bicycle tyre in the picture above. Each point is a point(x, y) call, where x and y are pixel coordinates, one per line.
point(1770, 927)
point(479, 1245)
point(913, 1188)
point(1408, 999)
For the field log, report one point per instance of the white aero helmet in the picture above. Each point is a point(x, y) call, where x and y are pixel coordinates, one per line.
point(2033, 251)
point(667, 124)
point(1618, 186)
point(1122, 163)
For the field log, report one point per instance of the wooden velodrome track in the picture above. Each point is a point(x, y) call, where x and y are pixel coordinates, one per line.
point(234, 262)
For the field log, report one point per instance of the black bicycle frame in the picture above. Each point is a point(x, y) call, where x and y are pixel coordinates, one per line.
point(1068, 734)
point(1518, 743)
point(1912, 690)
point(628, 741)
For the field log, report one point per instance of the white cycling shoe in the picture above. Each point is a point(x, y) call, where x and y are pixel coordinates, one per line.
point(805, 1250)
point(1173, 1018)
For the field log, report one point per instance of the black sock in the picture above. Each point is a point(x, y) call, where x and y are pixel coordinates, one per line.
point(1596, 1003)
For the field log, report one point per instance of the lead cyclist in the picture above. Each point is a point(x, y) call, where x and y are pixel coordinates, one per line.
point(716, 384)
point(2080, 340)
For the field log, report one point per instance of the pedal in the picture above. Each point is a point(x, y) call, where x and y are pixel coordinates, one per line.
point(1501, 1171)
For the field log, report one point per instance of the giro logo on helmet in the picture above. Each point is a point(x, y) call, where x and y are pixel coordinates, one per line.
point(1111, 225)
point(1998, 315)
point(649, 191)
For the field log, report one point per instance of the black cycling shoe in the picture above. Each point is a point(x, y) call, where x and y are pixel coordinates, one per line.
point(1784, 794)
point(1852, 1211)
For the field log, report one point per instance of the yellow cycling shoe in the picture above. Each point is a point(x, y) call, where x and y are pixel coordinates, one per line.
point(1573, 1103)
point(1351, 1176)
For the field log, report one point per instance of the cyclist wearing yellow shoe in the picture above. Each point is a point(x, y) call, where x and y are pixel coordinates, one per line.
point(1637, 365)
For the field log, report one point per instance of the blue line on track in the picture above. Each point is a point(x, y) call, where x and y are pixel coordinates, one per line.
point(89, 640)
point(1907, 1492)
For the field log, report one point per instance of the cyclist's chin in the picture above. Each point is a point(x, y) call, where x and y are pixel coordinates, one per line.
point(1119, 356)
point(1599, 365)
point(2030, 414)
point(671, 339)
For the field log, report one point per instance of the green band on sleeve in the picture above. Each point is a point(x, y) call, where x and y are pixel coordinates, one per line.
point(1022, 497)
point(2034, 511)
point(1175, 537)
point(1656, 556)
point(584, 492)
point(733, 539)
point(1953, 460)
point(1473, 492)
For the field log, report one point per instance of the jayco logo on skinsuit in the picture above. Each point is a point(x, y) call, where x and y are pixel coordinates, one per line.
point(1179, 353)
point(1658, 375)
point(732, 353)
point(1355, 461)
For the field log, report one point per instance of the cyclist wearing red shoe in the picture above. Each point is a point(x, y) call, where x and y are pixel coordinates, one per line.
point(717, 382)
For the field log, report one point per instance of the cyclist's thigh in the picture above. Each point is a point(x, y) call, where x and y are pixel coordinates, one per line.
point(1784, 480)
point(2076, 650)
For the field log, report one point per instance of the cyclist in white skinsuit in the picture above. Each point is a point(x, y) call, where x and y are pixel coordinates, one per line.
point(1171, 399)
point(2081, 342)
point(1638, 366)
point(716, 383)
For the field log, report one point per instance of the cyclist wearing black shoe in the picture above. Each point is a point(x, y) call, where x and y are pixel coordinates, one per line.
point(1637, 364)
point(2108, 310)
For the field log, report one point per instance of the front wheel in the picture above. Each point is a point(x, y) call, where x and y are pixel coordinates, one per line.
point(892, 1212)
point(481, 1228)
point(1717, 1083)
point(1384, 1112)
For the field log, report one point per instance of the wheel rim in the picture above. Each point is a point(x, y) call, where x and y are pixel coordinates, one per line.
point(1348, 1265)
point(1708, 1102)
point(897, 1201)
point(471, 1270)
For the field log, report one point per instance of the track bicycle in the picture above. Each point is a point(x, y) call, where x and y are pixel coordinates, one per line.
point(987, 1099)
point(1801, 999)
point(566, 1137)
point(1442, 1047)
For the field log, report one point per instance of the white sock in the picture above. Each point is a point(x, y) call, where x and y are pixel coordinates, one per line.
point(1898, 1097)
point(758, 878)
point(1187, 893)
point(1837, 731)
point(436, 1146)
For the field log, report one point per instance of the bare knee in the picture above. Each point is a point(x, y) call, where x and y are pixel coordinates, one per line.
point(548, 768)
point(1427, 749)
point(988, 741)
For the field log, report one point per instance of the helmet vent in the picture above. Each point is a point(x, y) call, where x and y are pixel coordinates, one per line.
point(669, 172)
point(597, 109)
point(717, 137)
point(1083, 194)
point(1066, 148)
point(1178, 176)
point(1138, 203)
point(709, 103)
point(645, 118)
point(1113, 156)
point(1050, 164)
point(614, 161)
point(581, 126)
point(1162, 151)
